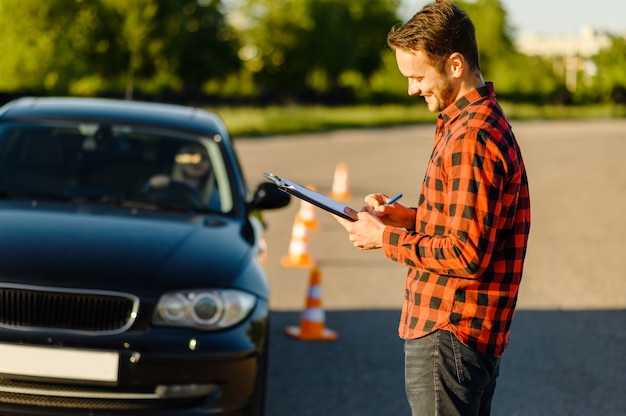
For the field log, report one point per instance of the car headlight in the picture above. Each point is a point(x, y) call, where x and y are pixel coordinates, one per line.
point(203, 309)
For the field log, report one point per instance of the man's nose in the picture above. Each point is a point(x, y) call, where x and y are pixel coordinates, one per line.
point(414, 88)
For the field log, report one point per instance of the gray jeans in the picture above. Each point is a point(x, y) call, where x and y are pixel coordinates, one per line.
point(443, 377)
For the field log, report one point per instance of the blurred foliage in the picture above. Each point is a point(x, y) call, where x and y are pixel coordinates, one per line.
point(295, 47)
point(611, 64)
point(87, 47)
point(493, 34)
point(517, 77)
point(257, 52)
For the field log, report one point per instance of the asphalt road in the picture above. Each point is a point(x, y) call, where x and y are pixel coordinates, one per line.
point(566, 355)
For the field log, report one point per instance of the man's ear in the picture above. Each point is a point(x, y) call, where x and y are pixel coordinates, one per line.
point(456, 64)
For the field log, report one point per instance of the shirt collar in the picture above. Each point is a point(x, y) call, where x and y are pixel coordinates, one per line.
point(453, 110)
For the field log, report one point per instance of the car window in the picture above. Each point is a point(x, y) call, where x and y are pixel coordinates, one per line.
point(114, 162)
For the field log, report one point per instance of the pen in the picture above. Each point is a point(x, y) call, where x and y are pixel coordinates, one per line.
point(394, 199)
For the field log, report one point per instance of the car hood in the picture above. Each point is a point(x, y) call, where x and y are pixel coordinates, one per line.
point(115, 248)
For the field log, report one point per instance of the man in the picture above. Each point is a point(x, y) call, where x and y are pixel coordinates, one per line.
point(465, 242)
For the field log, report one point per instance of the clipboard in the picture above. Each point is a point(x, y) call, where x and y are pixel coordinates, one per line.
point(317, 199)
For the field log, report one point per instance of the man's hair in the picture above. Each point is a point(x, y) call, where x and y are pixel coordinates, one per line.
point(439, 30)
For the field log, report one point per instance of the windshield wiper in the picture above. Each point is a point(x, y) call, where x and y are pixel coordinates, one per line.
point(93, 193)
point(103, 197)
point(70, 195)
point(11, 194)
point(146, 204)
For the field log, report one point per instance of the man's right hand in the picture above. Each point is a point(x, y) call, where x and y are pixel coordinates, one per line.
point(396, 215)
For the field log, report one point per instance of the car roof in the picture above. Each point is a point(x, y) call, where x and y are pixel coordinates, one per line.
point(103, 109)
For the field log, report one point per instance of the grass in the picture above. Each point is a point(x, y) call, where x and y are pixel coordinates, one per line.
point(563, 112)
point(253, 121)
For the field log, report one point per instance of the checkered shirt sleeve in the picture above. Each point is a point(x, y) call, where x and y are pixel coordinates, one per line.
point(466, 254)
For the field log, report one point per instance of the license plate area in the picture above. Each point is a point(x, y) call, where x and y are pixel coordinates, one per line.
point(59, 363)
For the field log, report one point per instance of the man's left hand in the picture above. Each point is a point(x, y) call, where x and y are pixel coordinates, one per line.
point(367, 232)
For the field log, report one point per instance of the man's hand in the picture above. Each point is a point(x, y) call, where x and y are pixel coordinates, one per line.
point(367, 232)
point(396, 215)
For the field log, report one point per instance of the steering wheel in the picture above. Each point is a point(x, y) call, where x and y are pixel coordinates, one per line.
point(174, 193)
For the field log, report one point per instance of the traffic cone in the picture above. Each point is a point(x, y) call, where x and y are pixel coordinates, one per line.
point(340, 190)
point(307, 213)
point(311, 326)
point(298, 254)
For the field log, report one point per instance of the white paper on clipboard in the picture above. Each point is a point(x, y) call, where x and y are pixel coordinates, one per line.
point(313, 197)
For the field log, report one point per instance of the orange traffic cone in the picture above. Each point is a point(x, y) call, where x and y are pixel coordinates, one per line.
point(307, 213)
point(312, 320)
point(340, 190)
point(298, 254)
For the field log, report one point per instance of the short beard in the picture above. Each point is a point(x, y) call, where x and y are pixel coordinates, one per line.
point(446, 95)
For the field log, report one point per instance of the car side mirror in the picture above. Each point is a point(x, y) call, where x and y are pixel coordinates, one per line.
point(269, 196)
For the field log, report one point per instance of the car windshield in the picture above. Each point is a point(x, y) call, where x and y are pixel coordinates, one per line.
point(112, 163)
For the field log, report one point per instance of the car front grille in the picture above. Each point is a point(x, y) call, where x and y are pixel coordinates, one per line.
point(33, 308)
point(68, 396)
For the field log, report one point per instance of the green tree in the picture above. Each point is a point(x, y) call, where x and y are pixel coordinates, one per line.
point(41, 40)
point(271, 32)
point(514, 74)
point(173, 45)
point(493, 33)
point(610, 79)
point(298, 45)
point(348, 36)
point(198, 44)
point(89, 46)
point(136, 23)
point(525, 78)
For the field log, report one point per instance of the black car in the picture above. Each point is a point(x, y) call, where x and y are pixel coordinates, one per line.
point(131, 262)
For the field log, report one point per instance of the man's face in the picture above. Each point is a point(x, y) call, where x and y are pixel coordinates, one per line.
point(194, 161)
point(425, 80)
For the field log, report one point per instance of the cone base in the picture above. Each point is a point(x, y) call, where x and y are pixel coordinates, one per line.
point(303, 262)
point(325, 335)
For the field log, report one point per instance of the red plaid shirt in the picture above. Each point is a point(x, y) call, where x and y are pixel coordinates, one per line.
point(466, 254)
